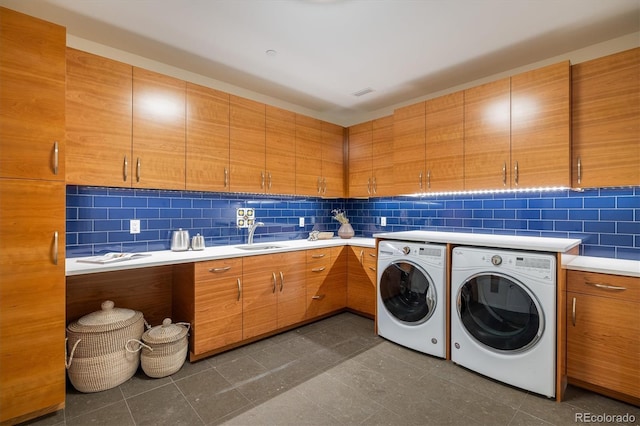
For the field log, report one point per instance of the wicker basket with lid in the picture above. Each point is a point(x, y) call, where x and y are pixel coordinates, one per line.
point(96, 343)
point(164, 348)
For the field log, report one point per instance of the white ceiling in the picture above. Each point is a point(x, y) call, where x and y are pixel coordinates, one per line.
point(328, 49)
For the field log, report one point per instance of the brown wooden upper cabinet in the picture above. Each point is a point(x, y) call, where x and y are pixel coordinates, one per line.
point(247, 150)
point(280, 158)
point(605, 121)
point(444, 138)
point(32, 74)
point(99, 104)
point(487, 137)
point(516, 132)
point(409, 149)
point(207, 152)
point(319, 158)
point(370, 153)
point(540, 127)
point(158, 130)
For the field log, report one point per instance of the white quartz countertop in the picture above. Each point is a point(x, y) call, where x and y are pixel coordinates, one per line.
point(556, 245)
point(605, 265)
point(168, 257)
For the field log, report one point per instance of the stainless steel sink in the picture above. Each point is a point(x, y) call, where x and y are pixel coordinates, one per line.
point(256, 247)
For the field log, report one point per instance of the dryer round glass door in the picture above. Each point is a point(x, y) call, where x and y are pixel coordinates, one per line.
point(500, 312)
point(407, 292)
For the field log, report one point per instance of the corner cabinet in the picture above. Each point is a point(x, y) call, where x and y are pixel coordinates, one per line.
point(32, 217)
point(603, 334)
point(361, 285)
point(605, 124)
point(326, 279)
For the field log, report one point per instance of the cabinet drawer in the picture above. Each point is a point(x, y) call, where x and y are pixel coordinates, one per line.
point(604, 285)
point(215, 269)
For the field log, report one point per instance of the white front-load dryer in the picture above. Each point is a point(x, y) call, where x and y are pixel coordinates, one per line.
point(503, 316)
point(411, 305)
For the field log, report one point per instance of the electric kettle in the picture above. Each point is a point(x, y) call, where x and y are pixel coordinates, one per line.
point(180, 240)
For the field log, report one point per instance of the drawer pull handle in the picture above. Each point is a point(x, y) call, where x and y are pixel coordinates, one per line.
point(223, 269)
point(606, 286)
point(320, 269)
point(372, 268)
point(573, 312)
point(317, 256)
point(275, 283)
point(372, 255)
point(281, 281)
point(239, 289)
point(319, 297)
point(361, 257)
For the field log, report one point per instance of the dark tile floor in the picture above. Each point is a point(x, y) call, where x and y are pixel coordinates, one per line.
point(333, 372)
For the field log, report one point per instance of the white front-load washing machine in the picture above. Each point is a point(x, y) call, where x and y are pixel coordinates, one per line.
point(503, 316)
point(411, 295)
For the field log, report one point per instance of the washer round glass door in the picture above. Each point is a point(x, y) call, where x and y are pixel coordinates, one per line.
point(407, 292)
point(500, 312)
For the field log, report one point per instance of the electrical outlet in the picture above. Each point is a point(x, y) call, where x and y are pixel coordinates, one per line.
point(301, 222)
point(383, 221)
point(134, 226)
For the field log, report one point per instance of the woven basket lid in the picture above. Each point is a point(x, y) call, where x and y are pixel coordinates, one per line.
point(106, 319)
point(165, 333)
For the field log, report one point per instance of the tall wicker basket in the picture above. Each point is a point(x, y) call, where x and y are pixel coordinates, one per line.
point(96, 344)
point(164, 348)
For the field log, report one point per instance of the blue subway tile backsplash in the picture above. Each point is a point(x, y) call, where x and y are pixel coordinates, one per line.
point(607, 220)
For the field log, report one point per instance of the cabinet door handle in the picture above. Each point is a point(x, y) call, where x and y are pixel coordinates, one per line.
point(361, 257)
point(429, 179)
point(579, 170)
point(319, 184)
point(375, 186)
point(226, 177)
point(318, 297)
point(270, 181)
point(372, 255)
point(504, 173)
point(320, 269)
point(54, 254)
point(275, 282)
point(573, 312)
point(372, 268)
point(369, 186)
point(223, 269)
point(420, 180)
point(239, 289)
point(605, 286)
point(515, 170)
point(125, 169)
point(317, 256)
point(281, 281)
point(324, 186)
point(262, 179)
point(138, 166)
point(56, 157)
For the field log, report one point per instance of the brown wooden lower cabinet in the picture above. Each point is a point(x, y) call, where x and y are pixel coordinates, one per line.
point(209, 296)
point(326, 279)
point(603, 334)
point(361, 286)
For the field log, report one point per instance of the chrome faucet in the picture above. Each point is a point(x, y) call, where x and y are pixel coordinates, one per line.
point(252, 230)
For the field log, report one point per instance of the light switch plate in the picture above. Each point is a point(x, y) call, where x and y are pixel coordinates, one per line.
point(383, 221)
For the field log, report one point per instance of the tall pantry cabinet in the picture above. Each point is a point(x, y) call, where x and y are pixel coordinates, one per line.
point(32, 217)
